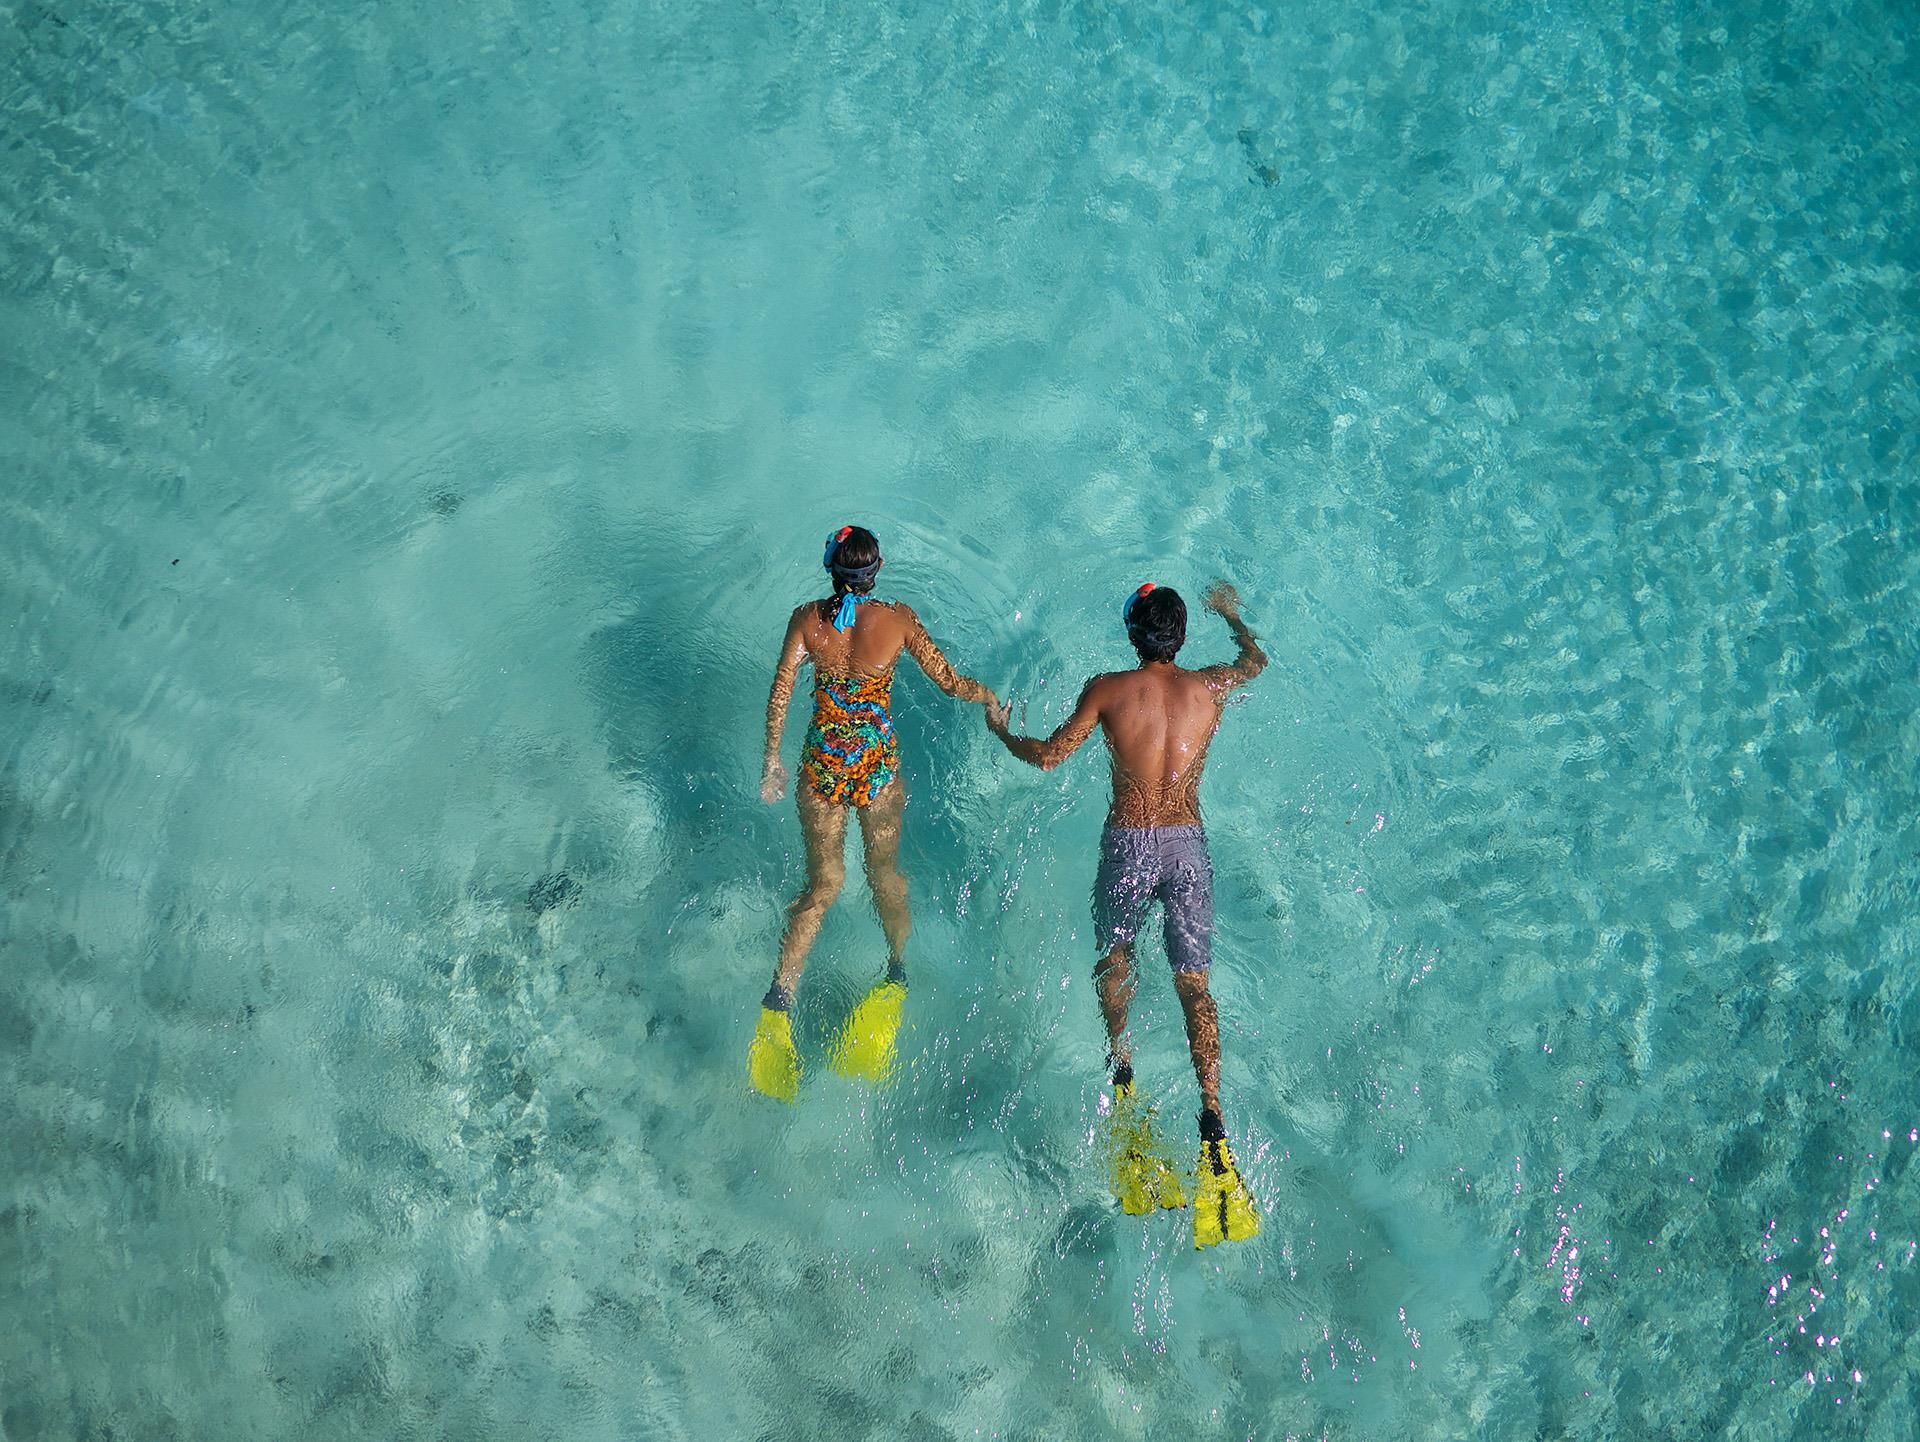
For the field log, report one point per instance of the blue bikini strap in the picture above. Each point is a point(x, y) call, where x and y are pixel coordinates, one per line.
point(843, 618)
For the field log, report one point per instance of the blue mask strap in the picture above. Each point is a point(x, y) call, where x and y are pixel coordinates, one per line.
point(1126, 611)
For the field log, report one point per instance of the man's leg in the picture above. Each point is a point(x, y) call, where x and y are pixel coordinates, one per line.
point(1203, 1034)
point(1223, 1209)
point(1142, 1176)
point(1121, 890)
point(1113, 978)
point(1186, 890)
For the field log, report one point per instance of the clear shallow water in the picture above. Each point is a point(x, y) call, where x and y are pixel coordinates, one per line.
point(419, 425)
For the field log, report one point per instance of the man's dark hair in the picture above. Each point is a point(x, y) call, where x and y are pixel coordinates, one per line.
point(1158, 626)
point(859, 552)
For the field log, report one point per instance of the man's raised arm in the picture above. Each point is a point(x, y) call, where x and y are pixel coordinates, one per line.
point(1224, 602)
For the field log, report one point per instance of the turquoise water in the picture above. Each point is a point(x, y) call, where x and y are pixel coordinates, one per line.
point(419, 423)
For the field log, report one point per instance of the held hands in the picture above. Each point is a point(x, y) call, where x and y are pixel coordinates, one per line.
point(773, 782)
point(999, 716)
point(1223, 600)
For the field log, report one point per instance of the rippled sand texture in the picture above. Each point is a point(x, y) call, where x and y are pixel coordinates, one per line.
point(418, 422)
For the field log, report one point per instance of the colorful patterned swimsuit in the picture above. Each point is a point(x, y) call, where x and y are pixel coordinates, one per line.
point(850, 753)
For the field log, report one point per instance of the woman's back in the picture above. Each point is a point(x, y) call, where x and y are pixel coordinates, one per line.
point(868, 647)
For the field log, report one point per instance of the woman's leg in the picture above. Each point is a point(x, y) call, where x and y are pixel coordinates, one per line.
point(880, 825)
point(824, 828)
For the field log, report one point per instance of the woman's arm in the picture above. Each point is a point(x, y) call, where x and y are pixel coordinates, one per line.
point(793, 650)
point(939, 669)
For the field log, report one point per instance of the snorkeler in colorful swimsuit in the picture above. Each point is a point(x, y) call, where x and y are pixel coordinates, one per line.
point(850, 761)
point(850, 754)
point(1158, 721)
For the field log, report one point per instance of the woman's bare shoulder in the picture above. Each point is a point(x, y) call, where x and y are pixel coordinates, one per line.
point(805, 622)
point(900, 614)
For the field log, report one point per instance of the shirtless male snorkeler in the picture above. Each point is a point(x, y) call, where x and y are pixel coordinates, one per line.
point(849, 763)
point(1158, 720)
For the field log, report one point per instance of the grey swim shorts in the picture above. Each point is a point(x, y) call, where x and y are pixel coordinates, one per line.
point(1139, 865)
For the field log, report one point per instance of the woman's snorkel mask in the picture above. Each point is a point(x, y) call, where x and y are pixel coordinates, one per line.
point(852, 580)
point(848, 575)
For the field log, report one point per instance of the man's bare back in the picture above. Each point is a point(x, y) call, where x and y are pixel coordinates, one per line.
point(1158, 721)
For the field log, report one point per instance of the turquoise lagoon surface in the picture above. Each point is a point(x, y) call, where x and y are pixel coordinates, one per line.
point(418, 423)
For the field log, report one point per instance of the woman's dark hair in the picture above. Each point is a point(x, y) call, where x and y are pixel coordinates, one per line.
point(852, 563)
point(1158, 627)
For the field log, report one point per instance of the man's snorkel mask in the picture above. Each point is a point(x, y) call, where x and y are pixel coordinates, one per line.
point(1156, 621)
point(1134, 598)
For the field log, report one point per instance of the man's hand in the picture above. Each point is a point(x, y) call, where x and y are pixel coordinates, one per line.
point(1223, 600)
point(773, 782)
point(999, 716)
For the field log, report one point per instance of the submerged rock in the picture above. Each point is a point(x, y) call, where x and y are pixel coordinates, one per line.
point(554, 890)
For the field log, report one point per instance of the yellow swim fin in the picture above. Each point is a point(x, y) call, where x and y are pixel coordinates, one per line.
point(1142, 1177)
point(866, 1044)
point(773, 1065)
point(1223, 1209)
